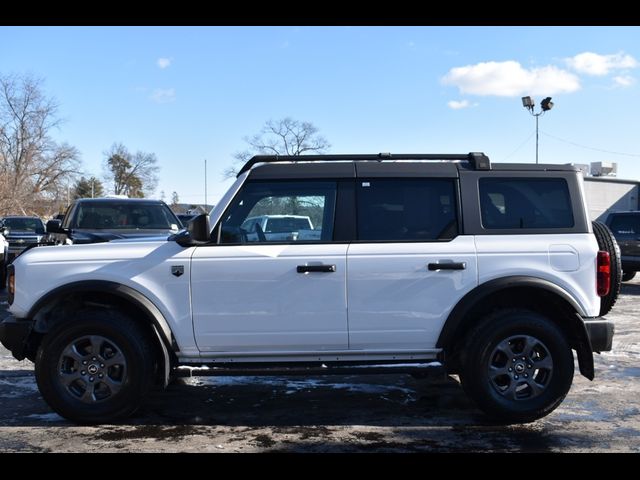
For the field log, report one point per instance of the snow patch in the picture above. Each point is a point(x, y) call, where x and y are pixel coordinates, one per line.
point(46, 417)
point(295, 385)
point(25, 386)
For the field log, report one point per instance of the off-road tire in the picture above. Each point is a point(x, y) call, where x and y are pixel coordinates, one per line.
point(479, 356)
point(131, 339)
point(608, 243)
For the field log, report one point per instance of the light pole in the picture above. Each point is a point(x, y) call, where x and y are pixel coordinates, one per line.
point(545, 106)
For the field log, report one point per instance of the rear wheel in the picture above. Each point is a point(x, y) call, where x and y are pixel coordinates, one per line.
point(518, 366)
point(608, 243)
point(96, 368)
point(626, 276)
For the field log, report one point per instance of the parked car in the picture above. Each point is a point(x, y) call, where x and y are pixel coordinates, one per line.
point(95, 220)
point(21, 232)
point(279, 228)
point(435, 263)
point(4, 256)
point(626, 228)
point(185, 218)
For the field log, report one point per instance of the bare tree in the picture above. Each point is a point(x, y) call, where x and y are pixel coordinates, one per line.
point(134, 175)
point(280, 137)
point(34, 169)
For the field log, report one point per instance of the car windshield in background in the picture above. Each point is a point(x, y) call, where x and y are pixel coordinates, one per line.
point(125, 216)
point(24, 224)
point(287, 224)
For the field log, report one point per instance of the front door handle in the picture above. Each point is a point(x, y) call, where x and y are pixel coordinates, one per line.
point(315, 268)
point(447, 266)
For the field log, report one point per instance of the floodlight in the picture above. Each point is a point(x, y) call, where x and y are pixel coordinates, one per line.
point(528, 102)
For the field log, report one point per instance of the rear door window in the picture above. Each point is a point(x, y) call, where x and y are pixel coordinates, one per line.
point(417, 210)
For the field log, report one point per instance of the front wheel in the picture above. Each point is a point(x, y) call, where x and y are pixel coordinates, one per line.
point(95, 368)
point(518, 366)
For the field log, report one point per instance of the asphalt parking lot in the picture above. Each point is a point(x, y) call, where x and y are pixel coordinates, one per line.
point(383, 413)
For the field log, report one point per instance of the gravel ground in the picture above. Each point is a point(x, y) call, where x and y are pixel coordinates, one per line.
point(380, 413)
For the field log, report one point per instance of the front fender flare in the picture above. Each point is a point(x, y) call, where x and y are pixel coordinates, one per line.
point(127, 293)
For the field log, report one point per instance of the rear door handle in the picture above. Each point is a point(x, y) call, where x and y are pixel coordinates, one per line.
point(447, 266)
point(315, 268)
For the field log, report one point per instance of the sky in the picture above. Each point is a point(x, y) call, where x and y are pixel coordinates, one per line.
point(188, 94)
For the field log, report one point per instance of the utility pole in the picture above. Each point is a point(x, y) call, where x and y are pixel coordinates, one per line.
point(92, 180)
point(545, 106)
point(537, 117)
point(205, 183)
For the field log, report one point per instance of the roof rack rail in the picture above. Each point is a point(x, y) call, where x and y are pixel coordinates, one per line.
point(477, 160)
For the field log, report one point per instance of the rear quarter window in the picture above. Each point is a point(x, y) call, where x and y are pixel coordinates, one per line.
point(525, 203)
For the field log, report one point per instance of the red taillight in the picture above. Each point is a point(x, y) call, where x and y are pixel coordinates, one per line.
point(603, 273)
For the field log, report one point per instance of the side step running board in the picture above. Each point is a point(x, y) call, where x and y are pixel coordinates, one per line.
point(419, 369)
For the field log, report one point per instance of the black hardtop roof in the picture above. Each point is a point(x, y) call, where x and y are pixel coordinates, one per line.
point(405, 164)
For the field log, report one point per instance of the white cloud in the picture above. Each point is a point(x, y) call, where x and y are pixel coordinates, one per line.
point(591, 63)
point(460, 104)
point(163, 95)
point(510, 79)
point(623, 81)
point(163, 62)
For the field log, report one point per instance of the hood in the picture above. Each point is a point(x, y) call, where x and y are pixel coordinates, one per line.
point(100, 236)
point(96, 253)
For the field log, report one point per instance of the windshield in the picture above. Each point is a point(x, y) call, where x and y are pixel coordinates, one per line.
point(625, 224)
point(25, 224)
point(125, 216)
point(287, 224)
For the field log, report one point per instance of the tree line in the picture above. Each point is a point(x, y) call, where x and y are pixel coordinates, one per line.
point(39, 175)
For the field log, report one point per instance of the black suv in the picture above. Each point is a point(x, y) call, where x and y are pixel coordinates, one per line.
point(94, 220)
point(21, 232)
point(626, 228)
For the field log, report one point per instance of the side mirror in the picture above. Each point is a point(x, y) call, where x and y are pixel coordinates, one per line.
point(54, 226)
point(199, 229)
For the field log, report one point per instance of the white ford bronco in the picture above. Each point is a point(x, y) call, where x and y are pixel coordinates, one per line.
point(422, 261)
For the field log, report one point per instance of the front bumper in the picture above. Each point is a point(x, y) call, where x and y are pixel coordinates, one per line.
point(14, 333)
point(600, 334)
